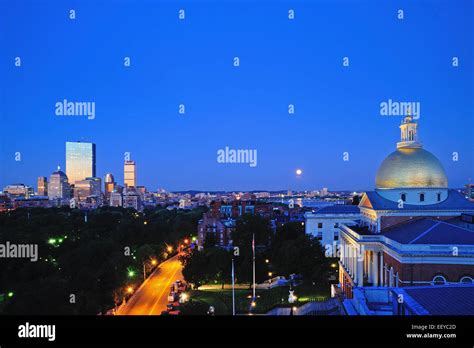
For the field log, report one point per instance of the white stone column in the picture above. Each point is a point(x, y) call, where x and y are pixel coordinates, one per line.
point(390, 283)
point(370, 262)
point(382, 281)
point(360, 272)
point(375, 267)
point(396, 280)
point(354, 260)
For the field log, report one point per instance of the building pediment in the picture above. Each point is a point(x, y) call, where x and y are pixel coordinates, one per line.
point(365, 202)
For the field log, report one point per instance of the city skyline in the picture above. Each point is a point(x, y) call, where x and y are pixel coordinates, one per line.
point(137, 108)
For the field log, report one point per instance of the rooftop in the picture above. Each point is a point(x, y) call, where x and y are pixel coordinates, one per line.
point(444, 300)
point(430, 231)
point(339, 209)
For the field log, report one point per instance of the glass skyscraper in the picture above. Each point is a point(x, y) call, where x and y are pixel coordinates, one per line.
point(80, 161)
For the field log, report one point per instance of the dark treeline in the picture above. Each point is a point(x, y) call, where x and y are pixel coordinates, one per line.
point(84, 260)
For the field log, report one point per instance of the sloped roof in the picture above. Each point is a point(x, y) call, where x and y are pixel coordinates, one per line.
point(455, 201)
point(444, 300)
point(430, 231)
point(339, 209)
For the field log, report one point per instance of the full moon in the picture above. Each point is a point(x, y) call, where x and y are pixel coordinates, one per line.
point(299, 172)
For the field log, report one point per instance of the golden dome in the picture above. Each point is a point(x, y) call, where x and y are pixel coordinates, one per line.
point(411, 167)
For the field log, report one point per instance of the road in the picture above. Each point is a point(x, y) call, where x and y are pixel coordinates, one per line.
point(152, 297)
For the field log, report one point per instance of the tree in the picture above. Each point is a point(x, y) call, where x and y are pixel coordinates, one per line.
point(246, 227)
point(303, 255)
point(355, 200)
point(195, 268)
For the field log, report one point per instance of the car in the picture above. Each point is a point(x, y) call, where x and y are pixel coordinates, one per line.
point(173, 306)
point(174, 313)
point(172, 297)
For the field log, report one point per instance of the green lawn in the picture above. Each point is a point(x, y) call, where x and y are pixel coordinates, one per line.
point(266, 299)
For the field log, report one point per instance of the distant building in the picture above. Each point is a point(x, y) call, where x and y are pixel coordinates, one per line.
point(32, 202)
point(18, 190)
point(83, 189)
point(324, 192)
point(324, 223)
point(132, 200)
point(219, 229)
point(42, 186)
point(58, 186)
point(141, 190)
point(470, 192)
point(116, 199)
point(80, 161)
point(109, 185)
point(5, 203)
point(236, 208)
point(130, 174)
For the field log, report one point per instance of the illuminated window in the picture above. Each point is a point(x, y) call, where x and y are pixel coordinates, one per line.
point(439, 280)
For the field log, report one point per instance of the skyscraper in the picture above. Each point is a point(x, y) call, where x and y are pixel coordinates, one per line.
point(130, 174)
point(80, 161)
point(109, 185)
point(58, 186)
point(42, 186)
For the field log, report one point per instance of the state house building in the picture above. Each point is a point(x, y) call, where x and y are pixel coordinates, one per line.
point(412, 230)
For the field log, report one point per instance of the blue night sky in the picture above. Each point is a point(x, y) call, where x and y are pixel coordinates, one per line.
point(283, 62)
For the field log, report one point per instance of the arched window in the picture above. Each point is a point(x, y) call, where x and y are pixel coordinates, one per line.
point(422, 197)
point(403, 197)
point(439, 280)
point(466, 280)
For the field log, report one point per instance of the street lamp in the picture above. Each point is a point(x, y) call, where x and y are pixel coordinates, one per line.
point(270, 274)
point(154, 262)
point(170, 249)
point(129, 290)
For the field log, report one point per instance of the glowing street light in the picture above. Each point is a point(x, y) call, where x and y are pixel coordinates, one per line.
point(10, 294)
point(270, 274)
point(154, 262)
point(267, 260)
point(186, 241)
point(170, 249)
point(131, 273)
point(129, 290)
